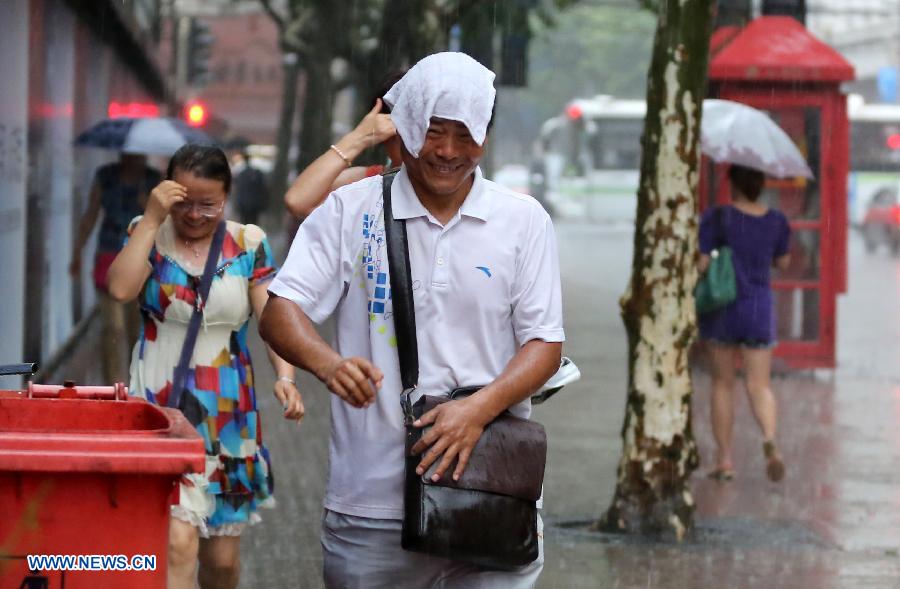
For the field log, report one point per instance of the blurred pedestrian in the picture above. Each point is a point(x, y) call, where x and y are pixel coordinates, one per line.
point(334, 168)
point(537, 177)
point(119, 190)
point(251, 193)
point(758, 237)
point(162, 264)
point(488, 311)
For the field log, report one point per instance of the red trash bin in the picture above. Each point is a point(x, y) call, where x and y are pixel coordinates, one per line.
point(89, 471)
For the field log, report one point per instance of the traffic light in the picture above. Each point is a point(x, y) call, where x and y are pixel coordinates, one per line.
point(514, 40)
point(478, 29)
point(196, 113)
point(795, 8)
point(199, 50)
point(514, 58)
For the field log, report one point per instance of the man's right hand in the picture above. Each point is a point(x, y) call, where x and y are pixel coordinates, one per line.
point(166, 194)
point(355, 380)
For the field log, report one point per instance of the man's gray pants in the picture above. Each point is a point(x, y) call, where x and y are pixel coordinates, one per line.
point(365, 553)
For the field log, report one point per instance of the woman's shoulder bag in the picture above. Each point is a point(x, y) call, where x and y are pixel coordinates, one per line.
point(717, 288)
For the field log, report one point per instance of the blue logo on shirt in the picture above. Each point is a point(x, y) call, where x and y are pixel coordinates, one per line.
point(382, 293)
point(485, 269)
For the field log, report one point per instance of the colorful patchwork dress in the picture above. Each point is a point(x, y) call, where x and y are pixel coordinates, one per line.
point(222, 405)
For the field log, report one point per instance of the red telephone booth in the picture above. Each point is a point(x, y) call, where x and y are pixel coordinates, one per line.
point(776, 65)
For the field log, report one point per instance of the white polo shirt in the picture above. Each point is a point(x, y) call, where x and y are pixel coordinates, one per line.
point(484, 284)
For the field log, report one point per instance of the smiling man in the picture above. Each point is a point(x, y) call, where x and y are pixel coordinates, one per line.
point(488, 312)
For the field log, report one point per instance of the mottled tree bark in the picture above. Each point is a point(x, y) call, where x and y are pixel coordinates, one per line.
point(659, 452)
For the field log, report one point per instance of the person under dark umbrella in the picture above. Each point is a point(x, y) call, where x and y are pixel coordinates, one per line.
point(119, 190)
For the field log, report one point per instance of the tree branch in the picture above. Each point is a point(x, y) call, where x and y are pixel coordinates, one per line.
point(273, 14)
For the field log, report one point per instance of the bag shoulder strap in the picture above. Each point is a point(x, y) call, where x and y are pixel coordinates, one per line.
point(718, 220)
point(187, 349)
point(401, 294)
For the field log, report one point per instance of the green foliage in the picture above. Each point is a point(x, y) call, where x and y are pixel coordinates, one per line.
point(592, 50)
point(588, 49)
point(377, 36)
point(374, 37)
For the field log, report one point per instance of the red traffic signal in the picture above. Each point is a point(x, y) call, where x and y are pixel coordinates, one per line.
point(195, 113)
point(893, 141)
point(574, 112)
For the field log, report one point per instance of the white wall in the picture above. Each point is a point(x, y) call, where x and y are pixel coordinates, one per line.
point(56, 173)
point(13, 173)
point(98, 71)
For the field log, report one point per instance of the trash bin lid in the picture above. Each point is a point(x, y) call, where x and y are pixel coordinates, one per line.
point(89, 435)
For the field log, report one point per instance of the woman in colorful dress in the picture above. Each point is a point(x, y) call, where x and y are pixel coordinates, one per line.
point(161, 264)
point(758, 237)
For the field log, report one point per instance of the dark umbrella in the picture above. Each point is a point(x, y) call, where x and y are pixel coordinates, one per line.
point(150, 135)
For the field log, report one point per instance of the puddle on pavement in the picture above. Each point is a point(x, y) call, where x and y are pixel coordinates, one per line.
point(731, 532)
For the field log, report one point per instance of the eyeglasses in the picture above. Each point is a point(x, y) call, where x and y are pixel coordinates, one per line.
point(203, 210)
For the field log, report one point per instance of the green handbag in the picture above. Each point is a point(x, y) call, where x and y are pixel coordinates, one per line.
point(717, 287)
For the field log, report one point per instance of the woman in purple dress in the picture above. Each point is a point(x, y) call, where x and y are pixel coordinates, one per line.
point(758, 237)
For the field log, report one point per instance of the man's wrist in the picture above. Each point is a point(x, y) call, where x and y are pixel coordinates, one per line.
point(323, 370)
point(485, 406)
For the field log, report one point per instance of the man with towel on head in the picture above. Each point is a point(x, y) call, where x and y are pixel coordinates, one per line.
point(488, 309)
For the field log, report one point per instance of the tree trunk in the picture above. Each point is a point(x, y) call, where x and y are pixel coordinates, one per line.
point(290, 69)
point(318, 107)
point(409, 31)
point(659, 452)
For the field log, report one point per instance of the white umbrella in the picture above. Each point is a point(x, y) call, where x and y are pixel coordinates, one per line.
point(152, 135)
point(739, 134)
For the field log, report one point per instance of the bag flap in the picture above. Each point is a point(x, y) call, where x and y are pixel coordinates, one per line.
point(509, 458)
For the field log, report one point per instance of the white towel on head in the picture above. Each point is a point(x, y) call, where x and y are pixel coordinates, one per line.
point(446, 85)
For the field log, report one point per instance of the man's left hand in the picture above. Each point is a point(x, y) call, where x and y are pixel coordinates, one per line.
point(456, 427)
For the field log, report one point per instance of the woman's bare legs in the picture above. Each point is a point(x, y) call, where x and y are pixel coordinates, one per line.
point(757, 363)
point(220, 563)
point(722, 410)
point(183, 546)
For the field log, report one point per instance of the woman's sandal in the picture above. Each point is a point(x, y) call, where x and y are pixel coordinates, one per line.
point(774, 464)
point(722, 475)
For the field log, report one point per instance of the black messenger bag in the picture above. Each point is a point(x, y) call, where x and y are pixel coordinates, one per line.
point(489, 516)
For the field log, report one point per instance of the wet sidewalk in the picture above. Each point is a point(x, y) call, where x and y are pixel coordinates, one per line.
point(833, 523)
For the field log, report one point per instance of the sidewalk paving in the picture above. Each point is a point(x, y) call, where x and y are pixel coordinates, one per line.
point(833, 523)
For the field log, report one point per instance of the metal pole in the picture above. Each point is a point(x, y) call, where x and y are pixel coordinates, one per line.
point(182, 33)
